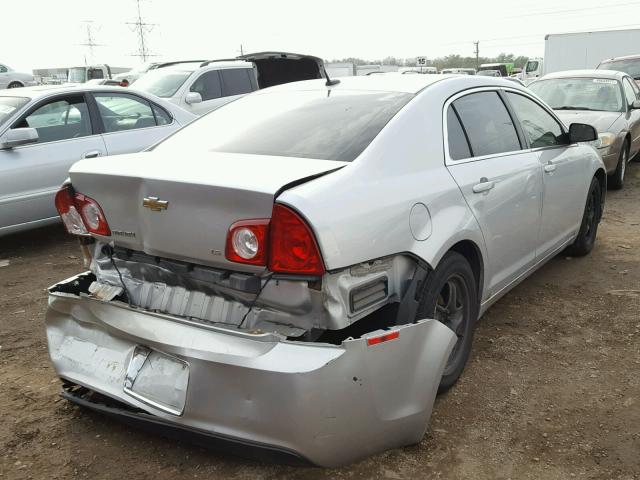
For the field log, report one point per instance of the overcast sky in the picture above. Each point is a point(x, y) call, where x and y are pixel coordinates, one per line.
point(48, 33)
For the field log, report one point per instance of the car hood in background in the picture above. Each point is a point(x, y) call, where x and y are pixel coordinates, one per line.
point(602, 121)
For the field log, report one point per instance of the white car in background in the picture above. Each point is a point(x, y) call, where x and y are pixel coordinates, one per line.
point(200, 87)
point(45, 130)
point(9, 78)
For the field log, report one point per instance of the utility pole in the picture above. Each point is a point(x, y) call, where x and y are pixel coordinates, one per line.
point(142, 28)
point(477, 52)
point(241, 50)
point(90, 41)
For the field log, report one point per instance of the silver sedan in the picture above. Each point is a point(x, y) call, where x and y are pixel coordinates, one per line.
point(608, 100)
point(308, 275)
point(45, 130)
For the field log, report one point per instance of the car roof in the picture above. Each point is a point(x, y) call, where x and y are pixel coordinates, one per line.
point(391, 82)
point(210, 65)
point(46, 90)
point(614, 59)
point(610, 74)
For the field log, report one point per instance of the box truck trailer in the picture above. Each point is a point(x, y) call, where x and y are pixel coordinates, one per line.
point(575, 51)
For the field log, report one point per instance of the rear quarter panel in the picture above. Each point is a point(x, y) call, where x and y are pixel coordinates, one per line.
point(362, 212)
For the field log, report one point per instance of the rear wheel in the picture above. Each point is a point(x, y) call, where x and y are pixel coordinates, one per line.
point(616, 180)
point(14, 85)
point(586, 238)
point(449, 295)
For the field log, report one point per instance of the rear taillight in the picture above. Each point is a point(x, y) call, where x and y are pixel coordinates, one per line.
point(292, 246)
point(285, 243)
point(80, 214)
point(247, 242)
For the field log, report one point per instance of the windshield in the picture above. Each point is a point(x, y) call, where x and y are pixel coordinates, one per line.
point(488, 73)
point(532, 66)
point(162, 83)
point(630, 67)
point(77, 75)
point(8, 105)
point(327, 125)
point(599, 94)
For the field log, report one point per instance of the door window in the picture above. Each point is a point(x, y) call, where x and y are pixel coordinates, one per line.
point(124, 112)
point(541, 129)
point(237, 81)
point(487, 124)
point(60, 119)
point(3, 69)
point(208, 85)
point(629, 92)
point(458, 145)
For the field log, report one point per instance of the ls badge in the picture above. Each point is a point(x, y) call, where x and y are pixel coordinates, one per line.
point(155, 204)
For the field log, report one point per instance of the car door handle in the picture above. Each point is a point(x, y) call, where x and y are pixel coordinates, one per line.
point(92, 154)
point(550, 167)
point(484, 186)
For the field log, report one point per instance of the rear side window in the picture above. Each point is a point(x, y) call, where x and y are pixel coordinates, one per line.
point(629, 91)
point(319, 124)
point(539, 126)
point(124, 112)
point(487, 123)
point(458, 145)
point(208, 85)
point(237, 81)
point(162, 117)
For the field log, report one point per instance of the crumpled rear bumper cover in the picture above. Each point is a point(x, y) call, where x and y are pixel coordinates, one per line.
point(326, 404)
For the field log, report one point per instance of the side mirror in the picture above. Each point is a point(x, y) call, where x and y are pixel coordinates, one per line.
point(635, 105)
point(18, 136)
point(581, 132)
point(193, 97)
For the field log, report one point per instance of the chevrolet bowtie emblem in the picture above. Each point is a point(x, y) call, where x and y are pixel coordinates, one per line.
point(154, 203)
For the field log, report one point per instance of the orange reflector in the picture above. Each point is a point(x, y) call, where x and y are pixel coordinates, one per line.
point(383, 338)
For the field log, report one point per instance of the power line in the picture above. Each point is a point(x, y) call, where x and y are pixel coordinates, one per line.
point(142, 28)
point(571, 10)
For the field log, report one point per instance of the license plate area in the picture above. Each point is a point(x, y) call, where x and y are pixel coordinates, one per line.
point(157, 379)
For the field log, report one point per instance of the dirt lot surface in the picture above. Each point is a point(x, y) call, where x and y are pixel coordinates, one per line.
point(552, 390)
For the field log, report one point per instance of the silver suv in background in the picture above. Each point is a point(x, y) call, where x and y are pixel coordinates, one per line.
point(9, 78)
point(202, 86)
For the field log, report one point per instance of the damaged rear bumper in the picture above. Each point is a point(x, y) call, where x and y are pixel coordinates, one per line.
point(325, 404)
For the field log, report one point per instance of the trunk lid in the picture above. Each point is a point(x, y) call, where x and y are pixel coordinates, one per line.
point(276, 68)
point(204, 194)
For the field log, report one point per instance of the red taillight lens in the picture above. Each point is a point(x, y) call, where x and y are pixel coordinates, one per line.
point(80, 214)
point(292, 246)
point(247, 242)
point(285, 243)
point(393, 335)
point(66, 207)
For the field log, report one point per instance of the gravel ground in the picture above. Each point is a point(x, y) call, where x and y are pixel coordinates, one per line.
point(552, 390)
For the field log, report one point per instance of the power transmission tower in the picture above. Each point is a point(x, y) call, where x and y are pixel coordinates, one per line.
point(477, 52)
point(90, 41)
point(142, 28)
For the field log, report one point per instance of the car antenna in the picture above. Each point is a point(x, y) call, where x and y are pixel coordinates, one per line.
point(329, 82)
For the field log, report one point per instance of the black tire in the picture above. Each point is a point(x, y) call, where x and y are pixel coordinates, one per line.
point(616, 179)
point(14, 85)
point(459, 313)
point(586, 238)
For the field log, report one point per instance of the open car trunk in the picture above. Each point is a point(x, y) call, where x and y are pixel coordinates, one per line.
point(275, 68)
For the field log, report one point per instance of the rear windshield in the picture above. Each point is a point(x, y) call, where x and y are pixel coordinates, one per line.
point(326, 125)
point(631, 67)
point(162, 83)
point(8, 105)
